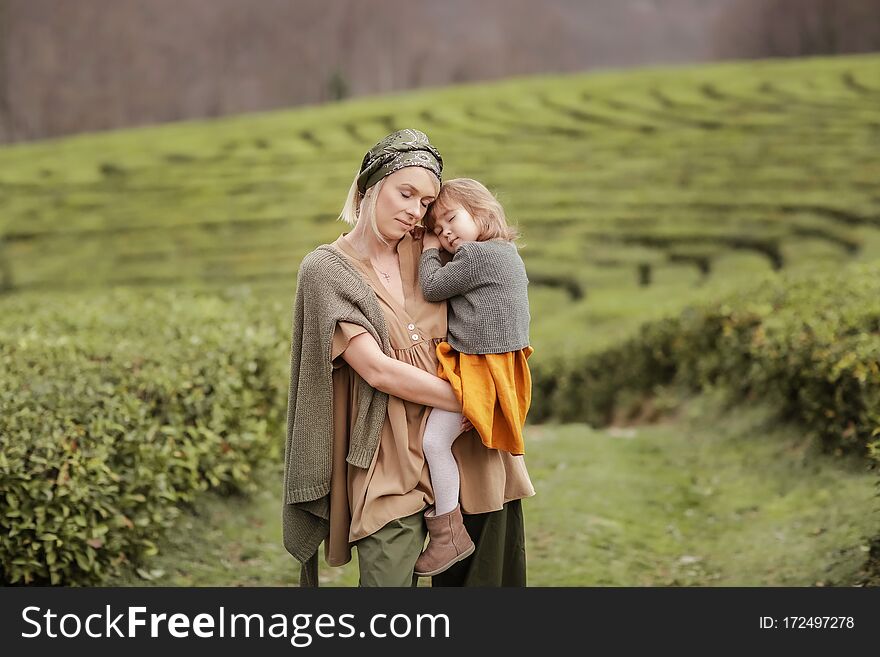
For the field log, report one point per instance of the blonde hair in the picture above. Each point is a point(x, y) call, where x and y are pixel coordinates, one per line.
point(480, 203)
point(359, 206)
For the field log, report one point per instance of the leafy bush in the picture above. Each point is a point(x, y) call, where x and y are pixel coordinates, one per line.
point(810, 343)
point(119, 408)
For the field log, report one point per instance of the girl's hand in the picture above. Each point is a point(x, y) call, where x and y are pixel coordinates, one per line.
point(430, 241)
point(465, 425)
point(417, 232)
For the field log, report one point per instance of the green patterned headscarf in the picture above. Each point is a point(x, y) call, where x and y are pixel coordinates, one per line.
point(404, 148)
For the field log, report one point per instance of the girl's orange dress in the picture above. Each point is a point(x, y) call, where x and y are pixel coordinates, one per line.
point(495, 392)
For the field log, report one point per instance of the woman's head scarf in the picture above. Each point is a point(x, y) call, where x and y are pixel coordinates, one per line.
point(404, 148)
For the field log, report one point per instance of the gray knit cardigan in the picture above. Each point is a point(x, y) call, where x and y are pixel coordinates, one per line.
point(329, 290)
point(488, 292)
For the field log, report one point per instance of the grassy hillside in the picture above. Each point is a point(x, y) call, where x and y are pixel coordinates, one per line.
point(636, 191)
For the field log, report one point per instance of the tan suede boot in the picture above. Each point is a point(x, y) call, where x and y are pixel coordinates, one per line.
point(449, 543)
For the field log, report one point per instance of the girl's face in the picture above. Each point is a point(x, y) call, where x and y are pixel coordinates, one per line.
point(403, 200)
point(454, 226)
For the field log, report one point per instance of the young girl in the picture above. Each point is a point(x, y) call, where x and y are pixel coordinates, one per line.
point(485, 356)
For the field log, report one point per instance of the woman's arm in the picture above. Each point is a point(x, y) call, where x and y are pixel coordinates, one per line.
point(398, 378)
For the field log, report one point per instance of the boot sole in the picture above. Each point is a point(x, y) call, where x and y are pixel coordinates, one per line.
point(437, 571)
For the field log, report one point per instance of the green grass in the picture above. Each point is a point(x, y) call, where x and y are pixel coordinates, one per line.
point(707, 497)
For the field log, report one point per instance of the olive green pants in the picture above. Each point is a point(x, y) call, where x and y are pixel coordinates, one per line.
point(387, 557)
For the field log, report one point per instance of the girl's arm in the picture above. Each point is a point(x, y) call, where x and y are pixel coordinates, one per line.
point(441, 281)
point(396, 377)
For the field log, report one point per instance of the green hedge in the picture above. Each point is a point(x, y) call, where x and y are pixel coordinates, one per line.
point(116, 410)
point(809, 343)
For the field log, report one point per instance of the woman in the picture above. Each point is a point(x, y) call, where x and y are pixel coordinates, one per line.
point(362, 383)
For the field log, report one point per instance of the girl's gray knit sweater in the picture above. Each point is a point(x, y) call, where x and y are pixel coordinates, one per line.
point(487, 288)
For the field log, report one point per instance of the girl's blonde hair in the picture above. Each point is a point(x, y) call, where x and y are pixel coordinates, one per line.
point(362, 206)
point(480, 203)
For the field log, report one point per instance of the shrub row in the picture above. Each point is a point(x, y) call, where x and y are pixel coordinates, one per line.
point(811, 344)
point(116, 410)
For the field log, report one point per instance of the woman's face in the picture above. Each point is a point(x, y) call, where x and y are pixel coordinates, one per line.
point(403, 200)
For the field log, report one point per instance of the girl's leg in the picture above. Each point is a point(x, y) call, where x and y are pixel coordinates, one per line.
point(441, 430)
point(500, 557)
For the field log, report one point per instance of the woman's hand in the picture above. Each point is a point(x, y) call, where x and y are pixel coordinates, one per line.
point(430, 241)
point(465, 425)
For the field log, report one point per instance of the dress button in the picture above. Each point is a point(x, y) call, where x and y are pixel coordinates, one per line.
point(415, 337)
point(410, 326)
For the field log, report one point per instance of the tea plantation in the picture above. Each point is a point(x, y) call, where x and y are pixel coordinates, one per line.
point(713, 226)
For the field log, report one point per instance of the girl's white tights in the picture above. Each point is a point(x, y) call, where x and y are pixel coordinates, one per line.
point(441, 431)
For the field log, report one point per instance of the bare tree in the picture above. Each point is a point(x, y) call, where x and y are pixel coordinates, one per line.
point(96, 64)
point(5, 109)
point(797, 28)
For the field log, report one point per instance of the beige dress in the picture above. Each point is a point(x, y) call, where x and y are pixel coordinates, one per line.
point(397, 483)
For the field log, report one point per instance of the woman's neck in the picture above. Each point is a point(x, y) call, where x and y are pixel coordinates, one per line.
point(365, 241)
